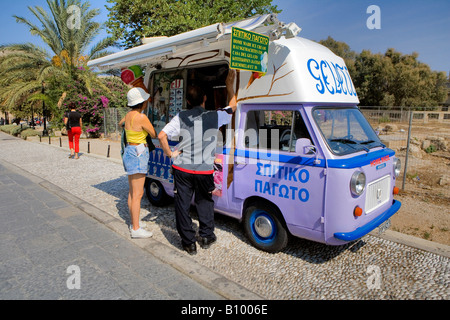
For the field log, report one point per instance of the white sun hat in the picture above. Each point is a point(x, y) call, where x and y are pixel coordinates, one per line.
point(136, 96)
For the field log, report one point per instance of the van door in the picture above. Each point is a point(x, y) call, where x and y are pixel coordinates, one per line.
point(267, 167)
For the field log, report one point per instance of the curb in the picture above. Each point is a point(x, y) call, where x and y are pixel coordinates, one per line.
point(178, 260)
point(414, 242)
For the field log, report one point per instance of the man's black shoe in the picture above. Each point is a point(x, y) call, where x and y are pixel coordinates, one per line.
point(205, 243)
point(191, 248)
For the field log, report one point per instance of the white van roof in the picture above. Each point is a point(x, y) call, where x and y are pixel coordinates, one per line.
point(310, 72)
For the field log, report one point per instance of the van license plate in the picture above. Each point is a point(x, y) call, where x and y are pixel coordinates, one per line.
point(384, 226)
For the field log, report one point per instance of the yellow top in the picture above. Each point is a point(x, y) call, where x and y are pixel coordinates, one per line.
point(136, 136)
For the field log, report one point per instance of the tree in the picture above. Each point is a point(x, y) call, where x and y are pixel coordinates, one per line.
point(395, 79)
point(391, 79)
point(373, 76)
point(413, 83)
point(130, 20)
point(68, 31)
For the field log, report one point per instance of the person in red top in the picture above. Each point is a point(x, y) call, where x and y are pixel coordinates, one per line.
point(73, 122)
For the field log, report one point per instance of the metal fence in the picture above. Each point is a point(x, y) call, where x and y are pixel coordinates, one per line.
point(402, 114)
point(415, 135)
point(111, 119)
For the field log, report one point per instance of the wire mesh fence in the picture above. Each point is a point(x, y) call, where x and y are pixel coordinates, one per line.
point(420, 139)
point(111, 119)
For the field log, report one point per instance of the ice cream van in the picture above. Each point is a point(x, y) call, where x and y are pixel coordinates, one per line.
point(299, 158)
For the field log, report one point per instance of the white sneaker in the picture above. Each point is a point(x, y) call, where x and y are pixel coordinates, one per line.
point(141, 233)
point(142, 224)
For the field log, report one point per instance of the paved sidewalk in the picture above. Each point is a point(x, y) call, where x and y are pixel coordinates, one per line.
point(43, 236)
point(95, 147)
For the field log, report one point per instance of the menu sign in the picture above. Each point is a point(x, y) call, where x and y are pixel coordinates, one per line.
point(249, 50)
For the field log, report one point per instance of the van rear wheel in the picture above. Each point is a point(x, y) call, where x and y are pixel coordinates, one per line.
point(264, 228)
point(155, 193)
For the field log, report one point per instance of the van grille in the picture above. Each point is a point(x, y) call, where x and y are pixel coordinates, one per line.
point(377, 193)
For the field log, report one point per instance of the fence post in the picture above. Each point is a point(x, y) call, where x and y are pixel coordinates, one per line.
point(407, 148)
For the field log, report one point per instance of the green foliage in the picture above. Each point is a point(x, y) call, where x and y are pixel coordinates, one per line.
point(8, 128)
point(393, 78)
point(432, 148)
point(67, 37)
point(90, 106)
point(384, 119)
point(28, 133)
point(130, 20)
point(13, 129)
point(24, 68)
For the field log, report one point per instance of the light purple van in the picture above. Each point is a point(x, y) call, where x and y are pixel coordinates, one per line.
point(299, 158)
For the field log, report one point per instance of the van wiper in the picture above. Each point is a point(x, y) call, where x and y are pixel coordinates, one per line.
point(348, 141)
point(342, 140)
point(371, 141)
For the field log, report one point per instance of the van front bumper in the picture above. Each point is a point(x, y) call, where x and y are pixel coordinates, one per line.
point(365, 229)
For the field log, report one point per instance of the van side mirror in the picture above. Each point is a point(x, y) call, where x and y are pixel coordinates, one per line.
point(303, 146)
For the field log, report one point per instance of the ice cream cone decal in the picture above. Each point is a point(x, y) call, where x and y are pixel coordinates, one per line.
point(134, 76)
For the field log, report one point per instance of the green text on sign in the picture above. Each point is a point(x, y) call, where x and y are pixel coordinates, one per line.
point(249, 50)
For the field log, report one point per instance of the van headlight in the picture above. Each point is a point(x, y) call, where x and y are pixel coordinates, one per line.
point(358, 183)
point(397, 167)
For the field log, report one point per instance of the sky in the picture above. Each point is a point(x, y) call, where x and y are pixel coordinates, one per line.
point(408, 26)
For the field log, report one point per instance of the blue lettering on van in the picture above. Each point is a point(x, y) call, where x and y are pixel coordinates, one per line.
point(282, 172)
point(278, 189)
point(332, 77)
point(281, 190)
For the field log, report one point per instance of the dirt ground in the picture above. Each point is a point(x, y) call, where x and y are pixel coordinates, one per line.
point(425, 199)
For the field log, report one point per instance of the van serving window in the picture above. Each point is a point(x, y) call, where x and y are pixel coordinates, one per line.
point(271, 129)
point(169, 91)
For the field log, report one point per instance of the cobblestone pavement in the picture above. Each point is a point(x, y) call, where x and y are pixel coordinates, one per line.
point(371, 268)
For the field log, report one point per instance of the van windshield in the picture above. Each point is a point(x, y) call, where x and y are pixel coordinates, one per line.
point(345, 130)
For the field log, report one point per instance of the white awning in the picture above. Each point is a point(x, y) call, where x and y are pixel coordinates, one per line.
point(252, 23)
point(154, 51)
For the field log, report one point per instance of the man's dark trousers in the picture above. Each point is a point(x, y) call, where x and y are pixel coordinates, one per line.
point(185, 186)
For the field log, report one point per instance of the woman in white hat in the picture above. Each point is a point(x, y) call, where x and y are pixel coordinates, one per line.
point(136, 155)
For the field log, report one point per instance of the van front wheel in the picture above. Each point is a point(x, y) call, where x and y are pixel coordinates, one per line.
point(156, 193)
point(264, 228)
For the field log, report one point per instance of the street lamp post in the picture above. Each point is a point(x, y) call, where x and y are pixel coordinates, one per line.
point(44, 132)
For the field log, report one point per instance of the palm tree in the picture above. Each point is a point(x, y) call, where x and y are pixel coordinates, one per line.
point(68, 30)
point(23, 69)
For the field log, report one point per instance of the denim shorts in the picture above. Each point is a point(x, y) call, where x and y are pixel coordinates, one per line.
point(132, 163)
